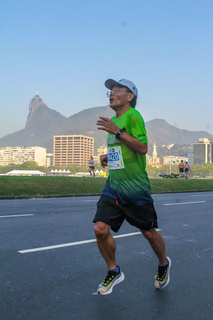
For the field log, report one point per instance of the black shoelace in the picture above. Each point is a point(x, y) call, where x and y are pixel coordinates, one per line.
point(161, 273)
point(109, 277)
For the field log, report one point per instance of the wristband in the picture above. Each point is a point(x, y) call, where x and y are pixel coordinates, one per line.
point(119, 133)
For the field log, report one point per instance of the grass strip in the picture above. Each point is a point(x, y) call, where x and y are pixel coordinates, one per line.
point(47, 186)
point(180, 185)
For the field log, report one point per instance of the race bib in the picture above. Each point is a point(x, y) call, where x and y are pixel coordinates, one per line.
point(115, 159)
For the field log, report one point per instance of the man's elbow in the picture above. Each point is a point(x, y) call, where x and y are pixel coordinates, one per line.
point(144, 149)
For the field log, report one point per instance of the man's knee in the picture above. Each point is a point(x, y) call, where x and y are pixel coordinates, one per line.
point(101, 230)
point(149, 234)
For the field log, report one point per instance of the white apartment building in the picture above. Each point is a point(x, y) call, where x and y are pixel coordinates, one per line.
point(191, 154)
point(19, 155)
point(49, 160)
point(5, 156)
point(174, 160)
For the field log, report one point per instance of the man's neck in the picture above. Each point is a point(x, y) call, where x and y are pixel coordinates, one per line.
point(121, 110)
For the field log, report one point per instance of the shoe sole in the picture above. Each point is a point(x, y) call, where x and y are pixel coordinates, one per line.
point(117, 281)
point(170, 263)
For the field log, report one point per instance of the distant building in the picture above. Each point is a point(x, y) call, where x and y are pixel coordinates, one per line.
point(170, 146)
point(200, 152)
point(19, 155)
point(72, 149)
point(101, 150)
point(49, 160)
point(5, 156)
point(174, 160)
point(148, 159)
point(153, 160)
point(190, 154)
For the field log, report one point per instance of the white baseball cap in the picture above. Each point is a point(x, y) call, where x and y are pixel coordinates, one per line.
point(110, 83)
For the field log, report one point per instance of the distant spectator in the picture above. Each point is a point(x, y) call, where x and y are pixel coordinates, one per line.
point(187, 168)
point(92, 167)
point(181, 168)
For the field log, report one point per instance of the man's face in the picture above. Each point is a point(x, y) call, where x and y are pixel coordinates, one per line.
point(119, 97)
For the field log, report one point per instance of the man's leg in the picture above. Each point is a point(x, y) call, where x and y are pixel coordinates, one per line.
point(107, 247)
point(157, 243)
point(106, 243)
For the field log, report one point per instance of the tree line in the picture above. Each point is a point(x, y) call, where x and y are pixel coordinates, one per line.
point(31, 165)
point(201, 170)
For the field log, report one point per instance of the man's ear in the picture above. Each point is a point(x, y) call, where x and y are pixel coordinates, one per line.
point(131, 96)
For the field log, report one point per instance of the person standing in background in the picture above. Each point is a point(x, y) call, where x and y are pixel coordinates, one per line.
point(187, 168)
point(181, 168)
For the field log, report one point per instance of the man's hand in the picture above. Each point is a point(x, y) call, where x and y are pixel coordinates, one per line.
point(103, 160)
point(107, 125)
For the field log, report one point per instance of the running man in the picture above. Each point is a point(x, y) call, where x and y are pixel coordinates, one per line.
point(92, 167)
point(126, 194)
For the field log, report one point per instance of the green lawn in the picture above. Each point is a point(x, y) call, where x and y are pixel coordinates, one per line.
point(47, 186)
point(178, 185)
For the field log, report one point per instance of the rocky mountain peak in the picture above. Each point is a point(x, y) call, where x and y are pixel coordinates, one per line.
point(34, 104)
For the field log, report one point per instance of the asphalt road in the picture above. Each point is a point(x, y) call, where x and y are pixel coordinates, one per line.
point(50, 265)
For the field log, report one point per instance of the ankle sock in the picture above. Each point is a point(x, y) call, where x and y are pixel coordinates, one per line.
point(117, 269)
point(165, 265)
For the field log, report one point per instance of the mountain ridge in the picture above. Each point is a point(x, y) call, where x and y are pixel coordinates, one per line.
point(43, 122)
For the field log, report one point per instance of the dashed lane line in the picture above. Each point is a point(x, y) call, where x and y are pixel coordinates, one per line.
point(180, 203)
point(76, 243)
point(17, 215)
point(202, 195)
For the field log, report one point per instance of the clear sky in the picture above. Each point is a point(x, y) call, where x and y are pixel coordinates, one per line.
point(66, 49)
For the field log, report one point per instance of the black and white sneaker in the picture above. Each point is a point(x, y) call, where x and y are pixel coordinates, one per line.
point(163, 276)
point(112, 278)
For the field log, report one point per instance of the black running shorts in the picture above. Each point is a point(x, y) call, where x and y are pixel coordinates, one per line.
point(113, 213)
point(181, 170)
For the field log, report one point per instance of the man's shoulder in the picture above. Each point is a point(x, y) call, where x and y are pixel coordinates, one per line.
point(136, 116)
point(134, 111)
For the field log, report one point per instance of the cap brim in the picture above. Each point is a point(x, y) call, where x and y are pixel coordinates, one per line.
point(110, 83)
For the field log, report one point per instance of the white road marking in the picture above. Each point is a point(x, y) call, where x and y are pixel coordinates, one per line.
point(17, 215)
point(202, 195)
point(75, 243)
point(57, 246)
point(179, 203)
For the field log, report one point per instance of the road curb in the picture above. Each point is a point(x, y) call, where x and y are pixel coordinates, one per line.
point(85, 195)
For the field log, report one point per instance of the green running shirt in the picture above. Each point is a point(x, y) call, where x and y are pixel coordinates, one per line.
point(128, 180)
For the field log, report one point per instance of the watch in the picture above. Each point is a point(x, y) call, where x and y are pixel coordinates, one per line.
point(119, 133)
